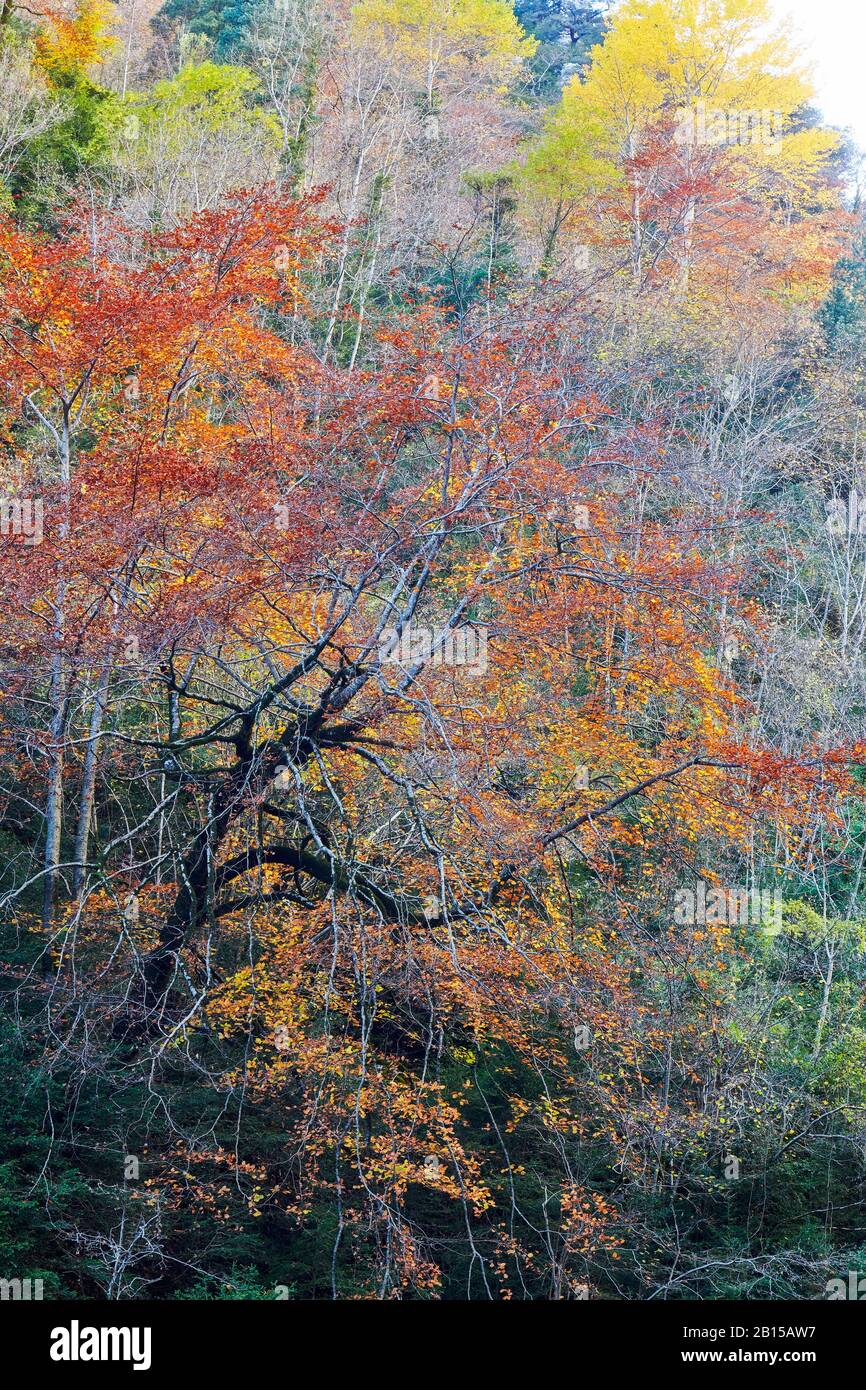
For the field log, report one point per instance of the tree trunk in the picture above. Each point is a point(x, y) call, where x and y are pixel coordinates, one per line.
point(58, 705)
point(88, 780)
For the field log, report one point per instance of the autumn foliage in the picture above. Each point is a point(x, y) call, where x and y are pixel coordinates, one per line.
point(388, 933)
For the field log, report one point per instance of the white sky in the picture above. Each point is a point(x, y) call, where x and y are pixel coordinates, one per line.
point(833, 34)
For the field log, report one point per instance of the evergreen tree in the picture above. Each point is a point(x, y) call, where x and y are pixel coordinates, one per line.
point(566, 30)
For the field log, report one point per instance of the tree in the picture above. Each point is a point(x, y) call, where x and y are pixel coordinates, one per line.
point(83, 118)
point(225, 22)
point(449, 35)
point(433, 690)
point(383, 683)
point(686, 118)
point(194, 138)
point(566, 30)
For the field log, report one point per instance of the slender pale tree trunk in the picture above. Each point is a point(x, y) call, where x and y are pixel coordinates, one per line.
point(88, 780)
point(130, 34)
point(636, 217)
point(346, 244)
point(688, 244)
point(637, 234)
point(54, 799)
point(825, 1000)
point(57, 726)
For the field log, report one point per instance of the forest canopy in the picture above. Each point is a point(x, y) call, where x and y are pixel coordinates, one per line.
point(432, 636)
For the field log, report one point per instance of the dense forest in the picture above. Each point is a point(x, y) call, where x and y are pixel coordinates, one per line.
point(432, 653)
